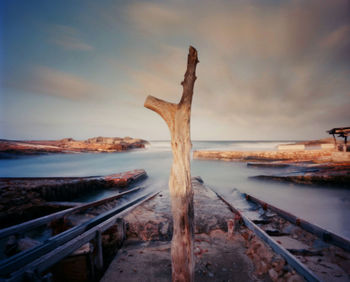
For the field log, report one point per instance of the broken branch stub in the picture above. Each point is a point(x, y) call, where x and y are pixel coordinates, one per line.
point(177, 117)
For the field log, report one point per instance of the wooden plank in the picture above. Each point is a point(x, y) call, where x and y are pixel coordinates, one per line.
point(11, 264)
point(41, 264)
point(320, 232)
point(31, 224)
point(292, 260)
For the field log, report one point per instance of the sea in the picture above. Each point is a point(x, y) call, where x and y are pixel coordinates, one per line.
point(328, 207)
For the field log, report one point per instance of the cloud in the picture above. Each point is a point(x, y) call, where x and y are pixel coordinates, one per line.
point(160, 76)
point(52, 82)
point(337, 44)
point(273, 64)
point(68, 38)
point(164, 17)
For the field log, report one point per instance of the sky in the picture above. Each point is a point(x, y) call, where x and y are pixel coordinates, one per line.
point(269, 70)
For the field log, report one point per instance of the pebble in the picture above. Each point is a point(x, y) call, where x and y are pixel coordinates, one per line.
point(273, 274)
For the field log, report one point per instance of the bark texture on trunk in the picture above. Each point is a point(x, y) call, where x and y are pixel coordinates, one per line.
point(177, 117)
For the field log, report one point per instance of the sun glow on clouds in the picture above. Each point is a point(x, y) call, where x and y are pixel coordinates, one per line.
point(261, 65)
point(268, 69)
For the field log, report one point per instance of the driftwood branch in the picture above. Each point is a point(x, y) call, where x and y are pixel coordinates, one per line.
point(177, 117)
point(165, 109)
point(190, 77)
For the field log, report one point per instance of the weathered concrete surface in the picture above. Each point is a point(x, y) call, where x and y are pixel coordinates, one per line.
point(23, 199)
point(217, 258)
point(221, 253)
point(153, 220)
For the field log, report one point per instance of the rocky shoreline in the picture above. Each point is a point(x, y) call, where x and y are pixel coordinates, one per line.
point(307, 167)
point(13, 148)
point(23, 199)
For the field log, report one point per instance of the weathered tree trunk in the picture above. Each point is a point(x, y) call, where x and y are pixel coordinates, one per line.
point(177, 117)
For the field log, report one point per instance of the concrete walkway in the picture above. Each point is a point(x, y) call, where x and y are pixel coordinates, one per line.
point(220, 255)
point(217, 259)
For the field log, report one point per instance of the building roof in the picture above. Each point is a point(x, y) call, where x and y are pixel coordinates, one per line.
point(341, 131)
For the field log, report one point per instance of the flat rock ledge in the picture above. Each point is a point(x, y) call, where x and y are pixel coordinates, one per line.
point(222, 253)
point(304, 155)
point(308, 167)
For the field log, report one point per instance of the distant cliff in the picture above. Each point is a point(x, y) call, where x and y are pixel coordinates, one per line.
point(10, 148)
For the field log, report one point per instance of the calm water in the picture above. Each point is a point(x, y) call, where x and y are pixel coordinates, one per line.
point(327, 207)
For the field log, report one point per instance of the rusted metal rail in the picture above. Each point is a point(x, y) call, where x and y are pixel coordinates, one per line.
point(33, 262)
point(32, 224)
point(292, 260)
point(321, 233)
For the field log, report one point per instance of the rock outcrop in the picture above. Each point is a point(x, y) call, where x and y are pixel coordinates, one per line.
point(337, 174)
point(10, 148)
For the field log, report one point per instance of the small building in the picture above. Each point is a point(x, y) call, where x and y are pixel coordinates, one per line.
point(341, 132)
